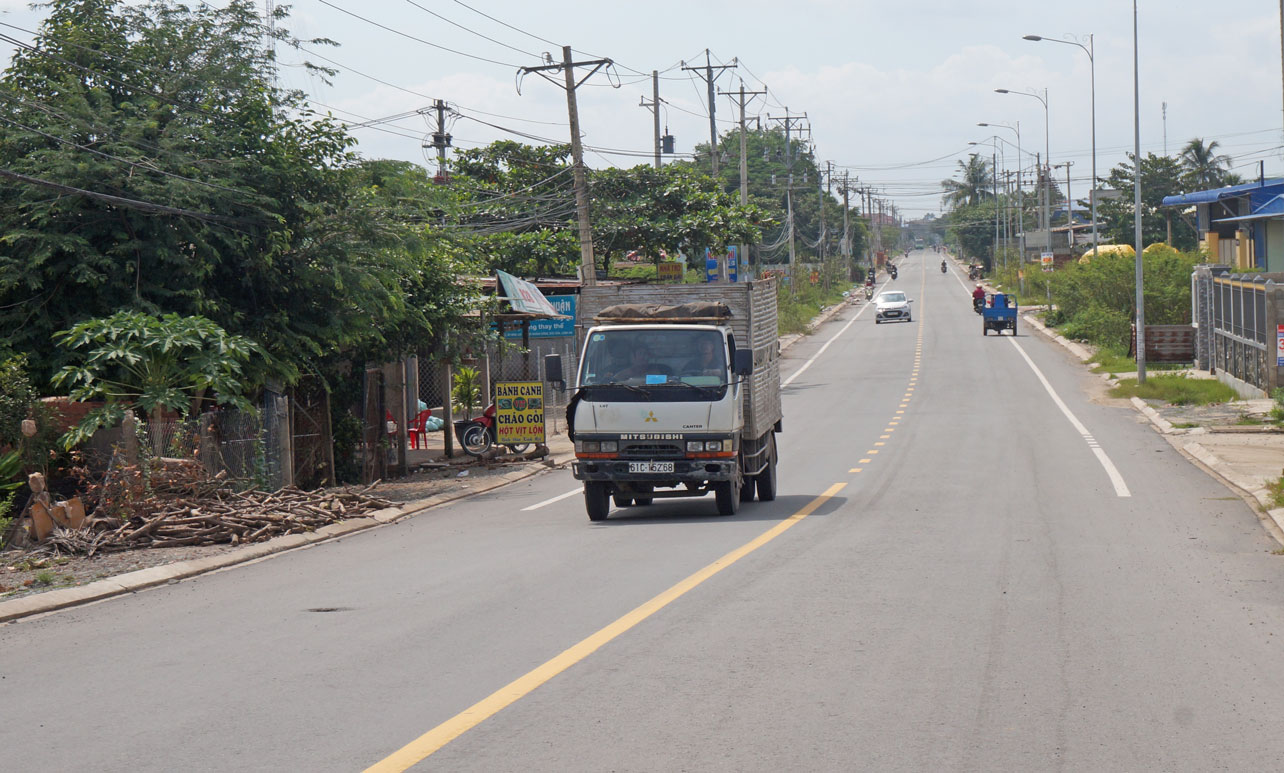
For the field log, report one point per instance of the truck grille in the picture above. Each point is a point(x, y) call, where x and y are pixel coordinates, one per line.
point(651, 451)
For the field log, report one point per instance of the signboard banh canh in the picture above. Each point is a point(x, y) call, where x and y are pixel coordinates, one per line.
point(519, 412)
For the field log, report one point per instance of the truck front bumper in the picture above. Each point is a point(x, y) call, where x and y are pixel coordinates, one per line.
point(684, 471)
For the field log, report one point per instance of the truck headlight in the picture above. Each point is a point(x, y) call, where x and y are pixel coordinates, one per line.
point(713, 445)
point(591, 446)
point(695, 446)
point(610, 446)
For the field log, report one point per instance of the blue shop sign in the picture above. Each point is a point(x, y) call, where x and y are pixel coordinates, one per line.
point(549, 328)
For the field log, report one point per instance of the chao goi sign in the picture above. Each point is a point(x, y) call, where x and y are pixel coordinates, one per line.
point(519, 412)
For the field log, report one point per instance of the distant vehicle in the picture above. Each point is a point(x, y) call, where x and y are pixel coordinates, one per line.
point(892, 305)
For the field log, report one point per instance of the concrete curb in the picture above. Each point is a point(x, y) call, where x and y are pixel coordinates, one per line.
point(1161, 424)
point(131, 582)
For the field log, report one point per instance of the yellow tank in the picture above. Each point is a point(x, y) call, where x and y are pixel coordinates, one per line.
point(1122, 250)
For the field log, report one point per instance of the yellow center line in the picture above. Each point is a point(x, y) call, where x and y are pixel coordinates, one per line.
point(425, 745)
point(855, 469)
point(865, 461)
point(880, 443)
point(884, 437)
point(872, 451)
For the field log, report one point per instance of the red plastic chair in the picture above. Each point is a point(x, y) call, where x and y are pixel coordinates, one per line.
point(417, 428)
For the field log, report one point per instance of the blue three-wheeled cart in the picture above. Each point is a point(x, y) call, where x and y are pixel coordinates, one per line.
point(999, 314)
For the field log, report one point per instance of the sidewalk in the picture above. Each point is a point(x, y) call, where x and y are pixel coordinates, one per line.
point(1232, 441)
point(443, 485)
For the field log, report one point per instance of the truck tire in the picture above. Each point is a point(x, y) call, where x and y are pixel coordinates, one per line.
point(597, 501)
point(766, 480)
point(727, 495)
point(643, 500)
point(746, 487)
point(621, 500)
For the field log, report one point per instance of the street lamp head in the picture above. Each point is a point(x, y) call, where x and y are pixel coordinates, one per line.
point(982, 124)
point(1000, 91)
point(1031, 37)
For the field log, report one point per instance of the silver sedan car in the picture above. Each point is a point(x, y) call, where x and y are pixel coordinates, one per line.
point(892, 305)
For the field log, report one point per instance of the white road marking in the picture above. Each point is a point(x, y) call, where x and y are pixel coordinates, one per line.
point(1121, 488)
point(813, 358)
point(557, 498)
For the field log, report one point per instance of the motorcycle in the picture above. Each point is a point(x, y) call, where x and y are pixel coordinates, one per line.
point(973, 273)
point(942, 267)
point(869, 291)
point(978, 305)
point(476, 436)
point(892, 271)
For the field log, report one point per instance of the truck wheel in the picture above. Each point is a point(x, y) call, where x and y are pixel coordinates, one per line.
point(766, 480)
point(727, 495)
point(621, 500)
point(597, 501)
point(643, 500)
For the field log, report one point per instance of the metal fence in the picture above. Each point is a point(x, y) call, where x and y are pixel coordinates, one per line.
point(1238, 318)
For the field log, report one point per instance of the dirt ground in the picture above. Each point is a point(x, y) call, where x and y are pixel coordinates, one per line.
point(24, 572)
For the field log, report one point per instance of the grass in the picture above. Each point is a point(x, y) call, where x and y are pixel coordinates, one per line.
point(1276, 488)
point(797, 310)
point(1186, 424)
point(1112, 362)
point(1176, 389)
point(45, 578)
point(1246, 420)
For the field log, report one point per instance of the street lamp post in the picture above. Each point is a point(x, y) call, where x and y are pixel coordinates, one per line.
point(1092, 70)
point(1020, 202)
point(1047, 160)
point(1136, 203)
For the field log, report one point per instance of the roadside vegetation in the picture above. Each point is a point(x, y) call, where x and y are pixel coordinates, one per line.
point(797, 309)
point(1177, 389)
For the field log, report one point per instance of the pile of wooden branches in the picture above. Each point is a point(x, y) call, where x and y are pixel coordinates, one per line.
point(215, 516)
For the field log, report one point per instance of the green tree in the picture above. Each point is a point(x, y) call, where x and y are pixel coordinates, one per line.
point(974, 183)
point(666, 209)
point(158, 364)
point(1160, 176)
point(174, 105)
point(1204, 168)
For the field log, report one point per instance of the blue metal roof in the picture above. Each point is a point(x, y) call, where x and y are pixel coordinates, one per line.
point(1274, 186)
point(1273, 208)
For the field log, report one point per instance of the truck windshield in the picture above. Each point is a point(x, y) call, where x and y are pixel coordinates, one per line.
point(655, 358)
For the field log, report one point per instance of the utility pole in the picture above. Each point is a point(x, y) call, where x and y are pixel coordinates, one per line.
point(440, 140)
point(654, 104)
point(710, 79)
point(743, 98)
point(789, 121)
point(588, 271)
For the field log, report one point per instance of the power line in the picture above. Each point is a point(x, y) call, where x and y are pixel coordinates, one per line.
point(145, 206)
point(412, 37)
point(506, 24)
point(472, 31)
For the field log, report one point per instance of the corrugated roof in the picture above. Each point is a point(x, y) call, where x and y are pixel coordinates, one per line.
point(1217, 194)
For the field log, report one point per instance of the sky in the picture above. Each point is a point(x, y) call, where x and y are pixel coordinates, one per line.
point(892, 91)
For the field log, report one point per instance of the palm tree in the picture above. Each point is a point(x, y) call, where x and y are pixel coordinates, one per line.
point(1203, 166)
point(974, 186)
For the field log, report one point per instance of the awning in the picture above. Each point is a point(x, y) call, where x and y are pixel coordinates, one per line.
point(1273, 208)
point(1217, 194)
point(526, 300)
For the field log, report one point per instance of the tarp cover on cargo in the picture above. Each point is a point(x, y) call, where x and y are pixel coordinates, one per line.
point(656, 311)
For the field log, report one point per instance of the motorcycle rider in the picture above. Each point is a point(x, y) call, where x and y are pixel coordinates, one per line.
point(978, 297)
point(942, 266)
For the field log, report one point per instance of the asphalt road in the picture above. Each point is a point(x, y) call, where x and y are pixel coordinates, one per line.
point(952, 578)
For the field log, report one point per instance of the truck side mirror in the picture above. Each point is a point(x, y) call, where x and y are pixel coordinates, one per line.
point(553, 371)
point(742, 362)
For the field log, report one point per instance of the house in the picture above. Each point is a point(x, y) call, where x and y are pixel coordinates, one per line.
point(1239, 225)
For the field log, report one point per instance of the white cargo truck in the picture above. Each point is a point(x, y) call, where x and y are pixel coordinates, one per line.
point(676, 394)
